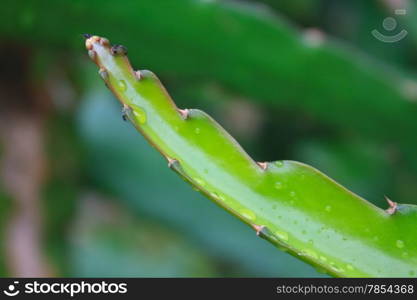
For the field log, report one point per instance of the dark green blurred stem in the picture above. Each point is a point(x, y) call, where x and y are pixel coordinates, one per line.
point(249, 50)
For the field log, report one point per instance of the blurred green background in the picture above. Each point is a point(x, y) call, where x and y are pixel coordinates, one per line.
point(82, 193)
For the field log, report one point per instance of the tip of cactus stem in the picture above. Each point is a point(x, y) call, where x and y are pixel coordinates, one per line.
point(86, 35)
point(118, 50)
point(258, 228)
point(184, 113)
point(392, 206)
point(90, 40)
point(263, 165)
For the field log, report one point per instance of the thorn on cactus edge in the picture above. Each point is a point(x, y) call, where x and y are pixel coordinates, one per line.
point(118, 50)
point(258, 228)
point(125, 111)
point(104, 42)
point(92, 54)
point(138, 75)
point(263, 165)
point(171, 162)
point(184, 113)
point(103, 74)
point(392, 206)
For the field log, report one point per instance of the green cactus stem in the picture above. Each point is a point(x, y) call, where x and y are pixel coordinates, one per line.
point(290, 204)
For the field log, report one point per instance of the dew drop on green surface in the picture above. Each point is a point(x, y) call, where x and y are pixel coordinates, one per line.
point(336, 268)
point(278, 185)
point(248, 214)
point(309, 253)
point(282, 235)
point(293, 194)
point(328, 208)
point(197, 130)
point(139, 114)
point(122, 85)
point(399, 244)
point(349, 267)
point(200, 182)
point(214, 195)
point(405, 254)
point(221, 197)
point(279, 163)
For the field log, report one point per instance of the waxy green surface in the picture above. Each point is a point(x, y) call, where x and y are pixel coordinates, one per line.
point(292, 205)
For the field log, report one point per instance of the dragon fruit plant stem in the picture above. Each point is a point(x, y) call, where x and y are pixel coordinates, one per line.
point(290, 204)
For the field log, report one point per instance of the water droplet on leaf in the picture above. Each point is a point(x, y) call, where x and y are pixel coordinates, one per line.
point(122, 85)
point(200, 182)
point(279, 163)
point(139, 114)
point(282, 235)
point(278, 185)
point(248, 214)
point(309, 253)
point(399, 244)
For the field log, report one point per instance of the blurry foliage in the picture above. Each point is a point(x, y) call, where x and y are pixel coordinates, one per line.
point(108, 241)
point(62, 190)
point(333, 97)
point(5, 207)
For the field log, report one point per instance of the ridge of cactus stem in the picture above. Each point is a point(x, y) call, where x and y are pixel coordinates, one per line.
point(292, 205)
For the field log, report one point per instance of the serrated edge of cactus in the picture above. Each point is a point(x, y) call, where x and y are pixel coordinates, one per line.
point(119, 52)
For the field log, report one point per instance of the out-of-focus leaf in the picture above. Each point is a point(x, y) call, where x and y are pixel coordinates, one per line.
point(249, 50)
point(108, 242)
point(60, 191)
point(5, 208)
